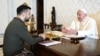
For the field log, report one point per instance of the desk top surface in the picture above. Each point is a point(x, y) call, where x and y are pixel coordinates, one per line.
point(66, 48)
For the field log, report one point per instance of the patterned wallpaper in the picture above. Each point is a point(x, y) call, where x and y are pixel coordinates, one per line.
point(66, 9)
point(8, 11)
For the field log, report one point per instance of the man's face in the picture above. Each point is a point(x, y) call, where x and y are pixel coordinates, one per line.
point(27, 15)
point(81, 15)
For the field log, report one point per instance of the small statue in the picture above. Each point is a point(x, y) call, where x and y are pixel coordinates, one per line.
point(53, 14)
point(53, 21)
point(32, 24)
point(25, 3)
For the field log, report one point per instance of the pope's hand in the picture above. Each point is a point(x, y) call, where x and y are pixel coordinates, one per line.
point(64, 30)
point(71, 32)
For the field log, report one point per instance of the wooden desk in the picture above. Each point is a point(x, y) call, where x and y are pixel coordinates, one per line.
point(62, 49)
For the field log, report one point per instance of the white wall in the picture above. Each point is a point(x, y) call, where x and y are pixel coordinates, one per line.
point(66, 9)
point(3, 15)
point(8, 11)
point(13, 4)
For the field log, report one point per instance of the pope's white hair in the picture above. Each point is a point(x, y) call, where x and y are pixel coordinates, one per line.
point(83, 10)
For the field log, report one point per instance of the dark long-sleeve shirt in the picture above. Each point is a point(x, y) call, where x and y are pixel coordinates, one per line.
point(15, 36)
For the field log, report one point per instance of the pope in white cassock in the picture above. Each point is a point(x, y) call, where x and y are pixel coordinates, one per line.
point(84, 26)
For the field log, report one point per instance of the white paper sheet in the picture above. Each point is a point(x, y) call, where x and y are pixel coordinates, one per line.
point(74, 36)
point(49, 43)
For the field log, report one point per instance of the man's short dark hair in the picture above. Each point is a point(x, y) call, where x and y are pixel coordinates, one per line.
point(22, 8)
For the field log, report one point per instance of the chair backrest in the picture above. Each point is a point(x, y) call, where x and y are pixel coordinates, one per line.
point(96, 16)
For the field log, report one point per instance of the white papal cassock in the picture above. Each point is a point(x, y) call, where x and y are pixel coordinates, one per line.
point(87, 28)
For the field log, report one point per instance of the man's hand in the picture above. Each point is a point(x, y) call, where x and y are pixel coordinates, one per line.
point(43, 36)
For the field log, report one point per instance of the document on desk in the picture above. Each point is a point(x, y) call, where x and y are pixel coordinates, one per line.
point(74, 36)
point(49, 43)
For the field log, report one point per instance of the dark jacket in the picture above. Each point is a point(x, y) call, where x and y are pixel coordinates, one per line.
point(15, 36)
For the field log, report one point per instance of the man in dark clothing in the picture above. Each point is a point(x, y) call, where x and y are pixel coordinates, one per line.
point(16, 33)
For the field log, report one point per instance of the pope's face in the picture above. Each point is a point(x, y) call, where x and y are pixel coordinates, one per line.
point(81, 15)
